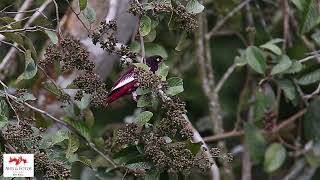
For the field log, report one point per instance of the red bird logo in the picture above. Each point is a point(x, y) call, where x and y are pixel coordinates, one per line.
point(17, 160)
point(127, 84)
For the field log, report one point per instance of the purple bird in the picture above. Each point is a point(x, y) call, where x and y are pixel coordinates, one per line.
point(127, 84)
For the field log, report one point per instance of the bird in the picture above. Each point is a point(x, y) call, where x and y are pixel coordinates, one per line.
point(127, 84)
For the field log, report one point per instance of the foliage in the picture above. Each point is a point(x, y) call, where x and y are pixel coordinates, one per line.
point(253, 63)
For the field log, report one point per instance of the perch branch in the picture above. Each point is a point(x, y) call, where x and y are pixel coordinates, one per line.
point(279, 127)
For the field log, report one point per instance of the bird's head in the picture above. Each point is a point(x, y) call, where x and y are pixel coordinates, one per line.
point(153, 62)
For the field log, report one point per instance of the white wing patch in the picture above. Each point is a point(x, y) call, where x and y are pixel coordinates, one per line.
point(123, 82)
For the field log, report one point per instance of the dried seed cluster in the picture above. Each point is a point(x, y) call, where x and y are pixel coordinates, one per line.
point(106, 37)
point(49, 168)
point(73, 56)
point(147, 79)
point(184, 20)
point(25, 138)
point(128, 135)
point(52, 54)
point(18, 134)
point(174, 123)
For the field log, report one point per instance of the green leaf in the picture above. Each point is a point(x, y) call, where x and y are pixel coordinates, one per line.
point(164, 2)
point(193, 147)
point(288, 88)
point(316, 37)
point(283, 65)
point(295, 67)
point(313, 155)
point(155, 49)
point(73, 145)
point(90, 14)
point(28, 44)
point(26, 96)
point(151, 36)
point(145, 25)
point(311, 121)
point(85, 101)
point(4, 113)
point(262, 103)
point(126, 155)
point(48, 85)
point(83, 4)
point(144, 101)
point(299, 4)
point(274, 157)
point(4, 108)
point(175, 86)
point(30, 67)
point(310, 78)
point(143, 91)
point(242, 59)
point(135, 47)
point(272, 47)
point(3, 121)
point(163, 71)
point(139, 166)
point(15, 37)
point(152, 175)
point(53, 36)
point(256, 60)
point(85, 160)
point(81, 128)
point(89, 117)
point(13, 23)
point(183, 42)
point(255, 142)
point(143, 118)
point(311, 16)
point(194, 7)
point(59, 136)
point(141, 65)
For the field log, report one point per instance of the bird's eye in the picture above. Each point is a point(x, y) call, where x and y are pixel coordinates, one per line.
point(158, 59)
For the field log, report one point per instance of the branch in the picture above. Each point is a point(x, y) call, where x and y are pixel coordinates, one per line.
point(12, 45)
point(59, 121)
point(196, 137)
point(19, 16)
point(27, 29)
point(12, 51)
point(278, 128)
point(225, 78)
point(226, 18)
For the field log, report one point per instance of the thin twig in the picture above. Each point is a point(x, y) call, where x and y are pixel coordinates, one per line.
point(19, 16)
point(27, 29)
point(279, 127)
point(60, 122)
point(13, 45)
point(314, 93)
point(224, 78)
point(57, 16)
point(77, 15)
point(286, 35)
point(226, 18)
point(143, 52)
point(18, 12)
point(12, 51)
